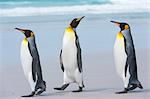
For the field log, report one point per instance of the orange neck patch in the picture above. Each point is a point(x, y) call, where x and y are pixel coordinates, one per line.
point(69, 29)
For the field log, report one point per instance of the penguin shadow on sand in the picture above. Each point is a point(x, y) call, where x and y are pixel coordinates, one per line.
point(89, 90)
point(96, 90)
point(66, 92)
point(112, 90)
point(46, 94)
point(58, 93)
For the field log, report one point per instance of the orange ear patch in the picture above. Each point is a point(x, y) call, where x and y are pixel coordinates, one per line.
point(32, 34)
point(126, 27)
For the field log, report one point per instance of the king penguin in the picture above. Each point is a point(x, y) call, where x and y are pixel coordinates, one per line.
point(31, 63)
point(70, 57)
point(125, 58)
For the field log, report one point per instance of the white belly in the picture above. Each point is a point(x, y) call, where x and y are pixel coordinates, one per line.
point(26, 60)
point(69, 55)
point(120, 56)
point(69, 58)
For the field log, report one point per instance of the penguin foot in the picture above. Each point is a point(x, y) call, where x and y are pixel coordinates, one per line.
point(135, 86)
point(79, 90)
point(32, 94)
point(41, 91)
point(40, 88)
point(123, 92)
point(58, 88)
point(63, 87)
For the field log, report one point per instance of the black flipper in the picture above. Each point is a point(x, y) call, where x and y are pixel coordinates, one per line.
point(127, 60)
point(33, 63)
point(36, 66)
point(126, 66)
point(31, 95)
point(61, 62)
point(63, 87)
point(79, 90)
point(79, 57)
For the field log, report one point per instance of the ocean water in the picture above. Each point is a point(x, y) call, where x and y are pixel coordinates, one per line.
point(61, 7)
point(43, 3)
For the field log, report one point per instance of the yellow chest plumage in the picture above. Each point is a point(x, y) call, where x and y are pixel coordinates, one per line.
point(25, 42)
point(120, 39)
point(70, 33)
point(120, 36)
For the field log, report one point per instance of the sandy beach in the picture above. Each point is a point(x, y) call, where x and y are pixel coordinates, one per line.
point(97, 36)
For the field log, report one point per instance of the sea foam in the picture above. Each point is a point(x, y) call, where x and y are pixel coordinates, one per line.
point(116, 6)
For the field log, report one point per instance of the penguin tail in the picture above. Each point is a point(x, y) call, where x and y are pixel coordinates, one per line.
point(44, 86)
point(140, 86)
point(83, 84)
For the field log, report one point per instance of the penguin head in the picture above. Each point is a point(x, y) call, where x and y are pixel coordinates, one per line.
point(27, 33)
point(123, 26)
point(75, 22)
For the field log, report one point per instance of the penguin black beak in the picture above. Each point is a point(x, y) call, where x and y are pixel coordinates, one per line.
point(23, 31)
point(82, 17)
point(117, 23)
point(79, 19)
